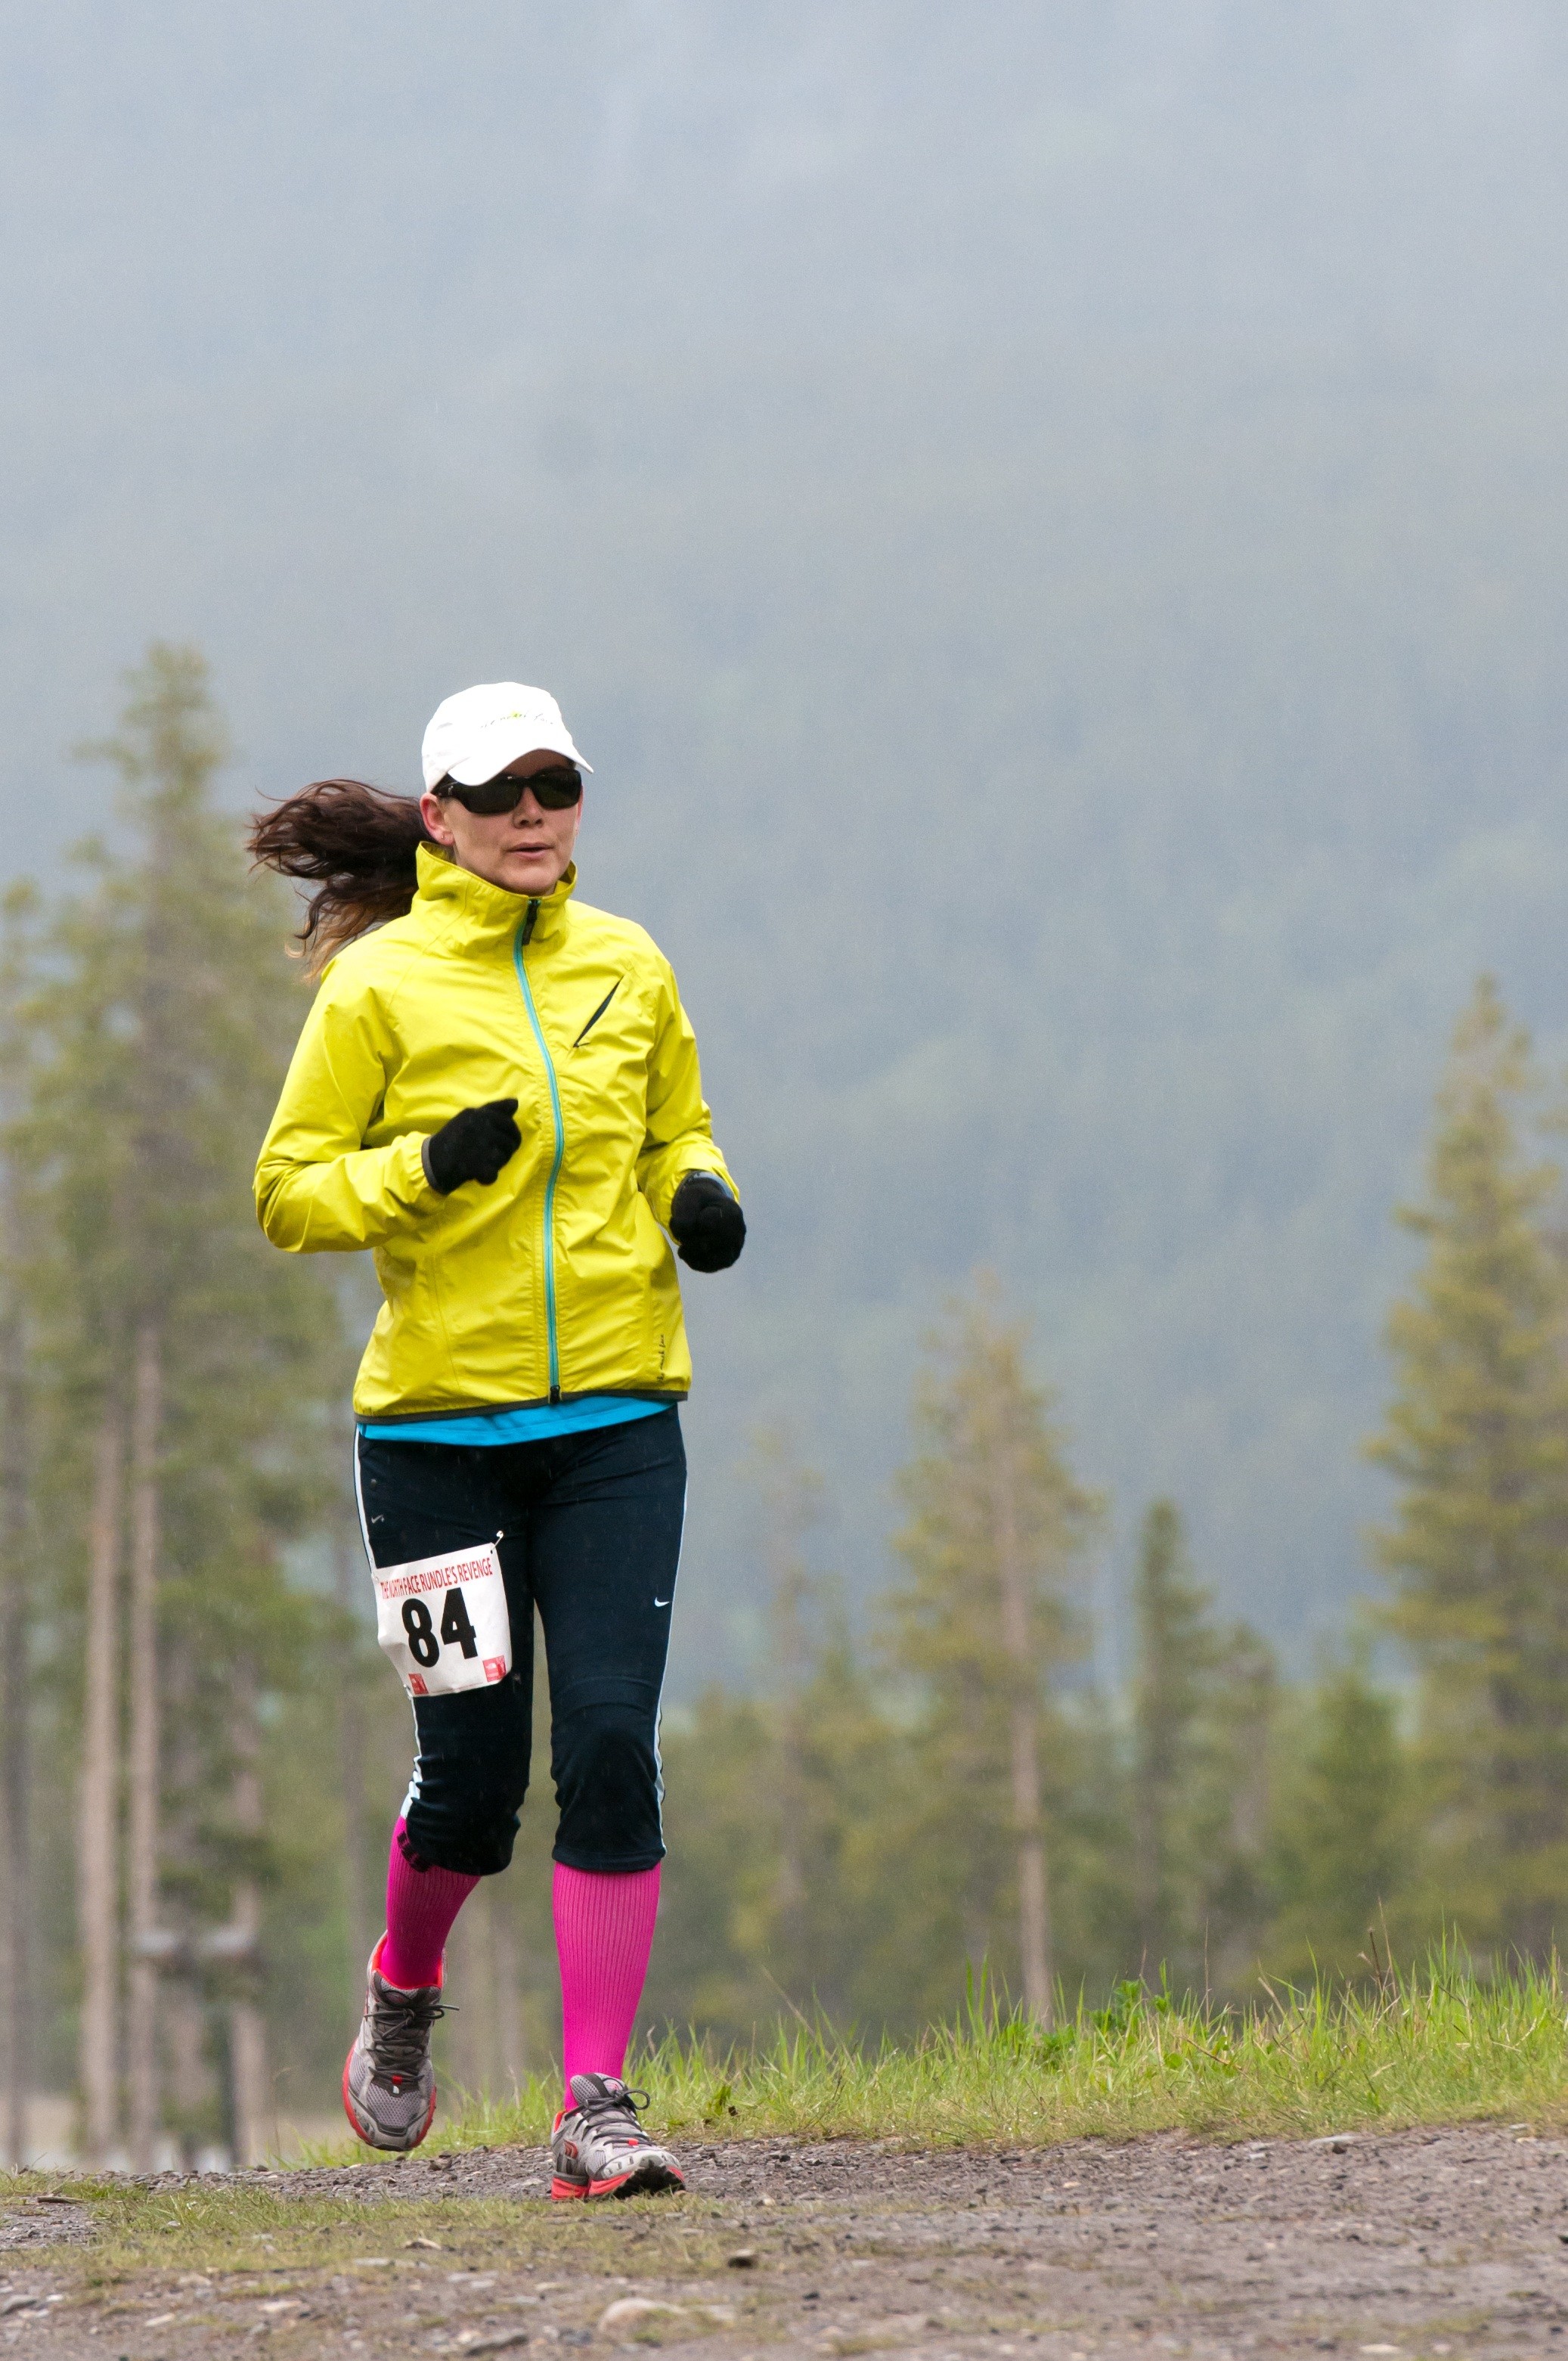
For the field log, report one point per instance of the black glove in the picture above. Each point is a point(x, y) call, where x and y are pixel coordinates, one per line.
point(707, 1225)
point(472, 1147)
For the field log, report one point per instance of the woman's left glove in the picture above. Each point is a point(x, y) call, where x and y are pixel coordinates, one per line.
point(706, 1223)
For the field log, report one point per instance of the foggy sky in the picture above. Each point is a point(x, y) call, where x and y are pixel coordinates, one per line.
point(1048, 522)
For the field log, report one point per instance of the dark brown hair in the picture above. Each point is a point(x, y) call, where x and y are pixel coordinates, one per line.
point(356, 845)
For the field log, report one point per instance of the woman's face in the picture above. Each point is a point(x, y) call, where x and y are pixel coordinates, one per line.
point(527, 850)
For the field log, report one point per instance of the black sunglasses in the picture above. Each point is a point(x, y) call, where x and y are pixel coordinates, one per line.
point(557, 790)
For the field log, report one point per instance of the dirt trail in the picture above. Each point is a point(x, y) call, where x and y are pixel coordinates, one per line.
point(1441, 2242)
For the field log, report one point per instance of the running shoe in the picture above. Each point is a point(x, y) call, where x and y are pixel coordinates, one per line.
point(599, 2149)
point(389, 2083)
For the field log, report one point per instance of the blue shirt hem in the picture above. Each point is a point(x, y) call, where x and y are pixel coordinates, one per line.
point(536, 1424)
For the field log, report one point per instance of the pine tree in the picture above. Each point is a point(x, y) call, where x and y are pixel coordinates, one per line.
point(983, 1620)
point(1232, 1809)
point(1339, 1843)
point(187, 1366)
point(1203, 1705)
point(1477, 1438)
point(789, 1495)
point(18, 1606)
point(1178, 1654)
point(831, 1758)
point(779, 1873)
point(717, 1908)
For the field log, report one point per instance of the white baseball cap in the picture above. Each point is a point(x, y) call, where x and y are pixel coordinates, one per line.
point(477, 733)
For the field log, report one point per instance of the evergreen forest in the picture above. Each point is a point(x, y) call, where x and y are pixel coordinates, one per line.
point(930, 1802)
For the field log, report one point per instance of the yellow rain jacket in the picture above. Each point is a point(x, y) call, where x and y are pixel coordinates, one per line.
point(558, 1280)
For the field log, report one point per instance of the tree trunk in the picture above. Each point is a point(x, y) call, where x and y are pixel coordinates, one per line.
point(468, 1967)
point(487, 2013)
point(1251, 1705)
point(790, 1506)
point(1034, 1882)
point(188, 2081)
point(1034, 1891)
point(253, 2139)
point(348, 1560)
point(1148, 1852)
point(97, 1869)
point(16, 1768)
point(142, 1761)
point(790, 1665)
point(253, 2128)
point(513, 2046)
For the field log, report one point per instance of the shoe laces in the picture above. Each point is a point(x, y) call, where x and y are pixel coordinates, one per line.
point(599, 2114)
point(401, 2025)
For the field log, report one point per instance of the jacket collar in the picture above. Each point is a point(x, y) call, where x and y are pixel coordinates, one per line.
point(465, 912)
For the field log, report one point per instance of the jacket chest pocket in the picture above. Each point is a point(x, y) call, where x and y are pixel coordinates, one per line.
point(604, 1075)
point(600, 1010)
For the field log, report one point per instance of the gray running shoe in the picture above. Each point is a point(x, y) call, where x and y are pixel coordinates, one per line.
point(599, 2149)
point(389, 2083)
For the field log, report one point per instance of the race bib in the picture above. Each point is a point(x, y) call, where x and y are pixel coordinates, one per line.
point(443, 1620)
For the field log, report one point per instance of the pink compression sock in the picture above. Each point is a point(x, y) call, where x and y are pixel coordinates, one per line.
point(604, 1932)
point(421, 1907)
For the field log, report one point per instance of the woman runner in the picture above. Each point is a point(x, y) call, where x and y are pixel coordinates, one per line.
point(497, 1091)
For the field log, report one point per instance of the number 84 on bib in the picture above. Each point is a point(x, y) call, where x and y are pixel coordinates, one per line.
point(443, 1621)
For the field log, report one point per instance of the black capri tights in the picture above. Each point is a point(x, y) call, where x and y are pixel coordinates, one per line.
point(590, 1530)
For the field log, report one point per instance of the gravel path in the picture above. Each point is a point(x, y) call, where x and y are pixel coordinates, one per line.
point(1442, 2243)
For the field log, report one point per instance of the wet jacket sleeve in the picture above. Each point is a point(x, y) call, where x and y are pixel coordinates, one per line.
point(680, 1129)
point(319, 1190)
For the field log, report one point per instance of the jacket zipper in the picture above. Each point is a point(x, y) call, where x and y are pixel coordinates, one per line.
point(524, 933)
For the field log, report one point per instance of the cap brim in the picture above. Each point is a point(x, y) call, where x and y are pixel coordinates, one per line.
point(506, 749)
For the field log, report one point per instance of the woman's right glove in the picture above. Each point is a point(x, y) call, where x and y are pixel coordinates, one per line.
point(706, 1223)
point(472, 1147)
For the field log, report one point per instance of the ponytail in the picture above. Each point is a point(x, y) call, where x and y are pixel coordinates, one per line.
point(357, 844)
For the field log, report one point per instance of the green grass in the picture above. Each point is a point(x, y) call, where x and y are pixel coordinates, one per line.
point(1427, 2046)
point(1437, 2047)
